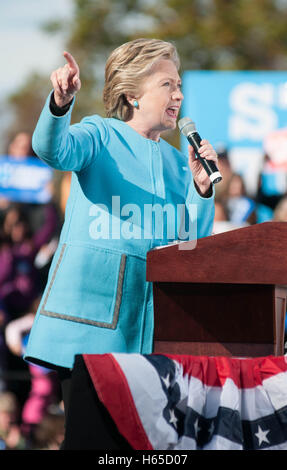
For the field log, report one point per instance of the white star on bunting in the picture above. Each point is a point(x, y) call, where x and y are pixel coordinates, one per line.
point(261, 435)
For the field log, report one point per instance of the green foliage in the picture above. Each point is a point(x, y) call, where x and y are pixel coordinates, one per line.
point(209, 34)
point(224, 34)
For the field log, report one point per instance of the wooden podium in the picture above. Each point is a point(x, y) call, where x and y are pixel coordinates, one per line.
point(224, 296)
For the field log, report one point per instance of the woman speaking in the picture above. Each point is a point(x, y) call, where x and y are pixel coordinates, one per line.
point(97, 299)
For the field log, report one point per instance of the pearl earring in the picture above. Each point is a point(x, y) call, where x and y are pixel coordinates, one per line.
point(136, 104)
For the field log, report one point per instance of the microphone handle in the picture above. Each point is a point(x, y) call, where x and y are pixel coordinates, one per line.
point(211, 169)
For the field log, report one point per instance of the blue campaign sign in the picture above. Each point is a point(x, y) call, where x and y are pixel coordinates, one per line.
point(25, 180)
point(239, 109)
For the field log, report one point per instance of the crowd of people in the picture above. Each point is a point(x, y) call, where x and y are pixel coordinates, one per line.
point(31, 411)
point(235, 208)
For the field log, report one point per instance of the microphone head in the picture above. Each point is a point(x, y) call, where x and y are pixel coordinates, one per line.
point(186, 126)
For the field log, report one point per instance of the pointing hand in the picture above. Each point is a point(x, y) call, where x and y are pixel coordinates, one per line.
point(66, 81)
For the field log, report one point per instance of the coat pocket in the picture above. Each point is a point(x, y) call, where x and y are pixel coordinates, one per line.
point(86, 286)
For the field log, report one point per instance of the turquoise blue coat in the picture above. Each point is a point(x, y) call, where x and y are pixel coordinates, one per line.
point(97, 299)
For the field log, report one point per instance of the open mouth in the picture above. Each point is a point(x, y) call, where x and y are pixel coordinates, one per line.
point(172, 111)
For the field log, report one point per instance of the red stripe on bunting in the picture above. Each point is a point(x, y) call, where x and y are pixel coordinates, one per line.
point(245, 373)
point(114, 392)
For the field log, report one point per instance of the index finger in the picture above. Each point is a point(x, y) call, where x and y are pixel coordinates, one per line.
point(71, 61)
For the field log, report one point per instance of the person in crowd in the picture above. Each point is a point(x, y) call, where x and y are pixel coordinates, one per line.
point(20, 146)
point(49, 433)
point(226, 171)
point(20, 151)
point(221, 219)
point(271, 187)
point(97, 299)
point(11, 437)
point(19, 277)
point(44, 382)
point(280, 210)
point(4, 318)
point(241, 208)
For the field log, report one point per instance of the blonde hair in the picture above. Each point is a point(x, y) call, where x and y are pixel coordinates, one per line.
point(126, 68)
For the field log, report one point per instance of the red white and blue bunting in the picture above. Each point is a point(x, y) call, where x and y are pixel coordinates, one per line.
point(165, 402)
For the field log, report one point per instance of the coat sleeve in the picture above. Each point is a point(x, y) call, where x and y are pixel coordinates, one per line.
point(64, 146)
point(201, 211)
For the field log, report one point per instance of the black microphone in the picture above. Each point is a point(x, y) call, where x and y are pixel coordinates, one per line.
point(187, 127)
